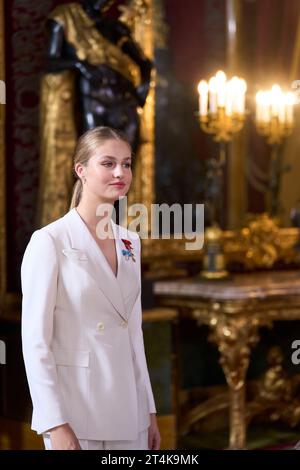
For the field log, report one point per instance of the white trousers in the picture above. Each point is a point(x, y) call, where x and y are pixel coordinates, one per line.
point(140, 444)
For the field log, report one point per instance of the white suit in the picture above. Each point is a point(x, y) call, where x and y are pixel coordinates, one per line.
point(82, 337)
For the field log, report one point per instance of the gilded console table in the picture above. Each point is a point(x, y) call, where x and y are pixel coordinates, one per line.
point(234, 309)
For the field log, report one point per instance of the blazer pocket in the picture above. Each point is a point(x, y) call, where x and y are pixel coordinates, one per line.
point(71, 357)
point(74, 254)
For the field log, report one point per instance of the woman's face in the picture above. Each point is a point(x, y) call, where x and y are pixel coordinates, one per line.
point(108, 172)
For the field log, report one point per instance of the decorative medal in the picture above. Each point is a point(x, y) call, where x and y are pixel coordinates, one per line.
point(128, 251)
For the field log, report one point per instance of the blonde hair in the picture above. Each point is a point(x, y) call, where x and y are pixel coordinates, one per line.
point(86, 146)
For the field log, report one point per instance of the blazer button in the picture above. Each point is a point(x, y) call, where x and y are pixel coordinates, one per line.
point(100, 326)
point(124, 324)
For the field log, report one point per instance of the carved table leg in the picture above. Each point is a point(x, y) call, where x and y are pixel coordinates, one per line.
point(237, 423)
point(234, 336)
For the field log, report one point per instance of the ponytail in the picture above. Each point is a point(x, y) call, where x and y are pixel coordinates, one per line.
point(76, 196)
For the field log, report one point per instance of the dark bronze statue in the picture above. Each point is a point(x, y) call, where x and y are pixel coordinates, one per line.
point(97, 75)
point(106, 95)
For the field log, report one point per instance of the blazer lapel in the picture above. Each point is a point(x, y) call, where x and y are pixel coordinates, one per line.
point(128, 270)
point(97, 265)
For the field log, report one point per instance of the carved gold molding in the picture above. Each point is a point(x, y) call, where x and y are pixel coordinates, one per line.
point(274, 396)
point(3, 283)
point(260, 244)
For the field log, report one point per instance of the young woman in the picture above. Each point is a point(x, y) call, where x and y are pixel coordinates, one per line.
point(81, 317)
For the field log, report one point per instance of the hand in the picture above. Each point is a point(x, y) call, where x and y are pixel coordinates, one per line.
point(97, 74)
point(153, 434)
point(63, 438)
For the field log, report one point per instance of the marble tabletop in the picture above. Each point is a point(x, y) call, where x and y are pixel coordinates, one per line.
point(240, 286)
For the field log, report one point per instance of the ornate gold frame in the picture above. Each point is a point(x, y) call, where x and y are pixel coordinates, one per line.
point(259, 245)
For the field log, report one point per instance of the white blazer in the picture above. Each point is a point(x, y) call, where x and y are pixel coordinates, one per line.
point(81, 331)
